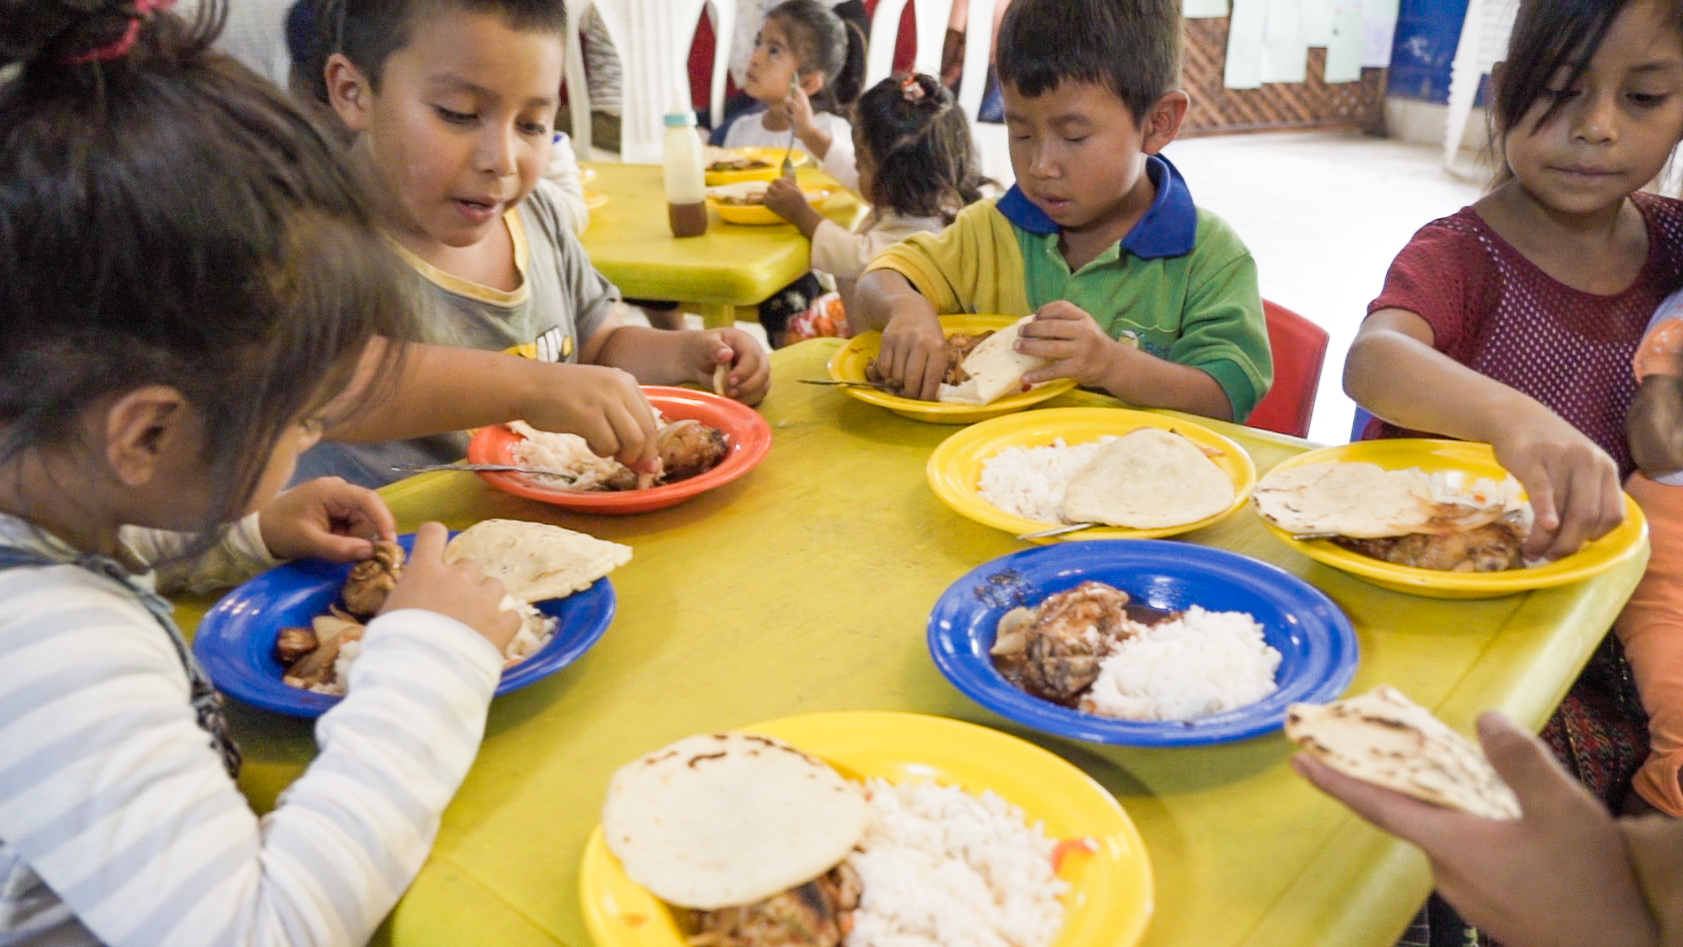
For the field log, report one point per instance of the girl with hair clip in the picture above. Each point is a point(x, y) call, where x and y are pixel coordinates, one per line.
point(808, 67)
point(917, 168)
point(187, 280)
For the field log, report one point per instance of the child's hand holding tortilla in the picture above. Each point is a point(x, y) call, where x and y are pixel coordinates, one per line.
point(1067, 337)
point(1528, 882)
point(453, 589)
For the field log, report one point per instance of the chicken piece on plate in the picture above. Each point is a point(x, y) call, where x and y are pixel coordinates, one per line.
point(1493, 547)
point(373, 579)
point(1055, 650)
point(816, 914)
point(688, 448)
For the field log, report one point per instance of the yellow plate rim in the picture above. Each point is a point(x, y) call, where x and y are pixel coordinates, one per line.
point(1112, 891)
point(1624, 542)
point(846, 365)
point(773, 156)
point(758, 215)
point(955, 465)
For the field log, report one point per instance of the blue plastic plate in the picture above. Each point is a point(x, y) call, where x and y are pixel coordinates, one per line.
point(1317, 645)
point(236, 640)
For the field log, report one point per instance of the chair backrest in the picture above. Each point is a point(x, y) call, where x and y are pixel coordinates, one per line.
point(652, 39)
point(1300, 348)
point(932, 16)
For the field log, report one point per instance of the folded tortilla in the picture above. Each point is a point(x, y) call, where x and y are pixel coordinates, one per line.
point(1386, 739)
point(534, 561)
point(1366, 501)
point(995, 368)
point(724, 819)
point(1148, 479)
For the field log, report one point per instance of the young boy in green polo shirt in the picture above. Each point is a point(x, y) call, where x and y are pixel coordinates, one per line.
point(1134, 289)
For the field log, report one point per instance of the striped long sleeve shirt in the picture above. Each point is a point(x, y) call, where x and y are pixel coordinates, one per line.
point(118, 823)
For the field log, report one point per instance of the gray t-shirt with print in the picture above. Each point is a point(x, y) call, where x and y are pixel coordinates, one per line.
point(561, 302)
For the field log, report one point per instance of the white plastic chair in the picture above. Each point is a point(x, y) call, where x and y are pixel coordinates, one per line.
point(932, 16)
point(1484, 40)
point(652, 39)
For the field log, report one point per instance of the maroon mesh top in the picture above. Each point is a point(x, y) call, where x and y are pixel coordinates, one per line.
point(1494, 311)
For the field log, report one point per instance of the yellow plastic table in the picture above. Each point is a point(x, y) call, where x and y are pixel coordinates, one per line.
point(631, 243)
point(806, 585)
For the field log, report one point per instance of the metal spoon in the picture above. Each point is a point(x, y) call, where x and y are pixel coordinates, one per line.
point(477, 468)
point(788, 165)
point(1059, 531)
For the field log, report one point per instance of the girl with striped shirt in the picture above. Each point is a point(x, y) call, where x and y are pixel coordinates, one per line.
point(186, 282)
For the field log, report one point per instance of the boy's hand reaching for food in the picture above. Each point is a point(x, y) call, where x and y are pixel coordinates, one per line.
point(1069, 337)
point(914, 354)
point(1524, 881)
point(747, 371)
point(325, 519)
point(604, 406)
point(453, 589)
point(1573, 485)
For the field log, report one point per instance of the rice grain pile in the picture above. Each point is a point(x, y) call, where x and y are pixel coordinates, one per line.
point(568, 455)
point(942, 867)
point(1193, 665)
point(1031, 481)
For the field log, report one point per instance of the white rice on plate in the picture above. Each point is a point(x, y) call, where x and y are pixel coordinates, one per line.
point(942, 867)
point(1194, 665)
point(1031, 481)
point(568, 455)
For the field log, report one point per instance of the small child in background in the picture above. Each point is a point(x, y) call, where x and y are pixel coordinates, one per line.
point(808, 67)
point(1134, 288)
point(1651, 625)
point(453, 130)
point(169, 340)
point(917, 168)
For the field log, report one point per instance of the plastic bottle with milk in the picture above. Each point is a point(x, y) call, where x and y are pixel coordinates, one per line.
point(686, 189)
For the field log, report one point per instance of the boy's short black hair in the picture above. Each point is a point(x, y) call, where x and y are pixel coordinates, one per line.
point(1131, 47)
point(369, 31)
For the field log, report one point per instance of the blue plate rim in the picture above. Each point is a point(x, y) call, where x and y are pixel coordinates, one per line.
point(1328, 670)
point(221, 654)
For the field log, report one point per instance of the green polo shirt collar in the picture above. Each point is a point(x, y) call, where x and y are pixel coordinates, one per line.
point(1168, 229)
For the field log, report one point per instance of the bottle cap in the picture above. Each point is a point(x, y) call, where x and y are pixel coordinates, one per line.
point(680, 119)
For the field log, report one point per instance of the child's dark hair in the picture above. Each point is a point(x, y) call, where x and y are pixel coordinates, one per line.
point(167, 217)
point(825, 43)
point(1131, 47)
point(367, 32)
point(1548, 36)
point(922, 159)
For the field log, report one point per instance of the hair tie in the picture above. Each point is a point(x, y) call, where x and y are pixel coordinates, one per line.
point(912, 90)
point(119, 47)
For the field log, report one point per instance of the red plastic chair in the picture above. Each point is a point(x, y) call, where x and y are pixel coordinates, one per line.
point(1300, 348)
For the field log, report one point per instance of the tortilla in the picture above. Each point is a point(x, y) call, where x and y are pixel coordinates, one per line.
point(723, 819)
point(1147, 479)
point(995, 368)
point(1366, 501)
point(721, 377)
point(1362, 501)
point(1386, 739)
point(536, 562)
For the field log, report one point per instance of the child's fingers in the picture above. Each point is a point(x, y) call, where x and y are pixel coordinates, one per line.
point(634, 442)
point(1544, 789)
point(1428, 826)
point(362, 507)
point(429, 544)
point(339, 548)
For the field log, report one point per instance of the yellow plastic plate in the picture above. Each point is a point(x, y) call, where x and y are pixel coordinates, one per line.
point(955, 468)
point(1479, 461)
point(594, 199)
point(1110, 896)
point(773, 157)
point(849, 362)
point(759, 215)
point(586, 174)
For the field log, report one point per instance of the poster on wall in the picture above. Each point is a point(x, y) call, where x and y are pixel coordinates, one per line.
point(1269, 40)
point(1202, 9)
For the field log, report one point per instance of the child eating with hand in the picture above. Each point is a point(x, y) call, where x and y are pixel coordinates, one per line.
point(1135, 290)
point(452, 126)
